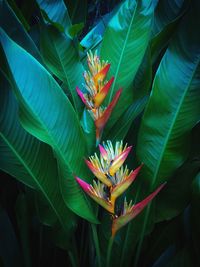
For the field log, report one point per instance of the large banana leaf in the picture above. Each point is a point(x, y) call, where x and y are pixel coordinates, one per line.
point(47, 114)
point(141, 86)
point(172, 111)
point(12, 26)
point(29, 160)
point(77, 10)
point(56, 11)
point(173, 108)
point(61, 57)
point(124, 44)
point(167, 16)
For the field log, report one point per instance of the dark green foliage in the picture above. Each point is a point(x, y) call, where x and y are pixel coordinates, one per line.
point(45, 132)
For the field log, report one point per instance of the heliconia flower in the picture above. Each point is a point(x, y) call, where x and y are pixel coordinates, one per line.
point(97, 193)
point(130, 211)
point(115, 157)
point(102, 119)
point(100, 76)
point(119, 160)
point(98, 170)
point(100, 96)
point(82, 96)
point(123, 179)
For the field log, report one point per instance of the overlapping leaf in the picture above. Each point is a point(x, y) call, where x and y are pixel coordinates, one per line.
point(61, 57)
point(124, 44)
point(47, 113)
point(29, 160)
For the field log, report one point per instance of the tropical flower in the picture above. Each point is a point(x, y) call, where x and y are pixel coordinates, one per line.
point(97, 88)
point(112, 181)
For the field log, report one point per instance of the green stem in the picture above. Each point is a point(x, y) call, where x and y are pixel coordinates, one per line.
point(73, 253)
point(73, 262)
point(110, 245)
point(127, 233)
point(96, 243)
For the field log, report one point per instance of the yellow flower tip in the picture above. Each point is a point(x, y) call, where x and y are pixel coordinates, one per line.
point(101, 95)
point(95, 166)
point(100, 76)
point(119, 160)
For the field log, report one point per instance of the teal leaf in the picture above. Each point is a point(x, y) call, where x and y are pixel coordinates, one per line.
point(46, 113)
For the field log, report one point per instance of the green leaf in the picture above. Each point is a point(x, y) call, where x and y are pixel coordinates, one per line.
point(61, 57)
point(76, 29)
point(124, 44)
point(44, 212)
point(77, 10)
point(176, 196)
point(57, 12)
point(166, 19)
point(12, 26)
point(166, 12)
point(47, 114)
point(29, 160)
point(19, 14)
point(94, 37)
point(173, 109)
point(141, 86)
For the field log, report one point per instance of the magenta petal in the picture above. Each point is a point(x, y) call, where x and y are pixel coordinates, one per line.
point(136, 209)
point(81, 95)
point(85, 186)
point(103, 152)
point(142, 204)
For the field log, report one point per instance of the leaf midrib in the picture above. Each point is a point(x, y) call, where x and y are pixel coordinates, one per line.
point(172, 125)
point(66, 75)
point(34, 178)
point(122, 52)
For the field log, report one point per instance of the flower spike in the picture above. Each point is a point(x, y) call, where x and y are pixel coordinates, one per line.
point(100, 76)
point(97, 88)
point(81, 95)
point(131, 211)
point(95, 166)
point(103, 152)
point(96, 192)
point(101, 121)
point(100, 96)
point(121, 187)
point(119, 160)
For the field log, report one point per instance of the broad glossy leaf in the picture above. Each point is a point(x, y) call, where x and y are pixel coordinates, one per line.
point(172, 111)
point(165, 13)
point(56, 11)
point(61, 57)
point(173, 108)
point(124, 44)
point(141, 86)
point(167, 16)
point(28, 159)
point(47, 114)
point(12, 26)
point(77, 10)
point(176, 196)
